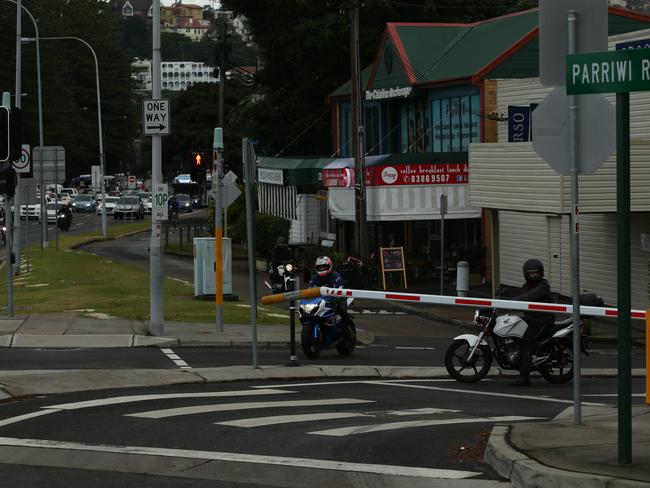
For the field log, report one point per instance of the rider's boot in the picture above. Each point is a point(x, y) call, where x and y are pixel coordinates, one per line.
point(524, 372)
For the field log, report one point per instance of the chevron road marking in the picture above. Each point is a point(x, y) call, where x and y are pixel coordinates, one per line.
point(384, 469)
point(227, 407)
point(409, 424)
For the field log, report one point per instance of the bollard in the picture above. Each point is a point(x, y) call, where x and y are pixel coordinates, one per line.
point(293, 359)
point(462, 278)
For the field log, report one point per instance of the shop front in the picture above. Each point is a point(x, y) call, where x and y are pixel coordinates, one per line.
point(409, 198)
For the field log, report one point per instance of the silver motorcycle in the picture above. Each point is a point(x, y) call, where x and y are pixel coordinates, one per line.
point(469, 357)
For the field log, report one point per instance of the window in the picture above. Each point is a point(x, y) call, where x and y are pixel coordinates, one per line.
point(456, 123)
point(416, 127)
point(372, 129)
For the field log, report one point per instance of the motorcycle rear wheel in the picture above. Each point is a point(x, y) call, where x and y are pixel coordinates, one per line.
point(559, 368)
point(309, 347)
point(462, 371)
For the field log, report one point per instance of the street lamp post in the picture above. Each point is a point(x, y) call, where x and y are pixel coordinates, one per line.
point(99, 117)
point(40, 118)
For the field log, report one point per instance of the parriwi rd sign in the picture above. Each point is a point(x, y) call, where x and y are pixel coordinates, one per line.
point(608, 72)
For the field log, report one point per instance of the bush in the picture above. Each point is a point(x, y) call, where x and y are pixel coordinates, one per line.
point(267, 229)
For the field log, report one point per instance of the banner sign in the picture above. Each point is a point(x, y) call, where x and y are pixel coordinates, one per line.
point(388, 93)
point(271, 176)
point(400, 175)
point(518, 124)
point(638, 44)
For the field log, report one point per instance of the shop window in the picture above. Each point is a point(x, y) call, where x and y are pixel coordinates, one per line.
point(372, 129)
point(416, 128)
point(456, 123)
point(345, 131)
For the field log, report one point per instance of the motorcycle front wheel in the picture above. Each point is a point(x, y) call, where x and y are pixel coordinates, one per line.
point(462, 370)
point(559, 368)
point(310, 347)
point(346, 345)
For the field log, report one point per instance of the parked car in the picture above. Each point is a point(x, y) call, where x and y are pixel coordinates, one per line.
point(148, 205)
point(111, 203)
point(183, 202)
point(129, 207)
point(84, 203)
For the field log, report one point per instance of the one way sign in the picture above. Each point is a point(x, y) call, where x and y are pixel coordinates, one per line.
point(156, 117)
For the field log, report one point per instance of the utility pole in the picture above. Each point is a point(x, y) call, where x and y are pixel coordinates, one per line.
point(358, 139)
point(156, 316)
point(222, 56)
point(18, 197)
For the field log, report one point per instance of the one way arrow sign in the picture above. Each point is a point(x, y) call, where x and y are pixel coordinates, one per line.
point(156, 117)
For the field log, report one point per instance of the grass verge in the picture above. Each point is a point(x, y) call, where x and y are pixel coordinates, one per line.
point(74, 280)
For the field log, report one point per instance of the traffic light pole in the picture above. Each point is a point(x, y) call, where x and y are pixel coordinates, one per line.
point(6, 102)
point(217, 177)
point(18, 102)
point(156, 316)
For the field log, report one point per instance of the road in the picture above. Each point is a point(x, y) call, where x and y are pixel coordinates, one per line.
point(312, 433)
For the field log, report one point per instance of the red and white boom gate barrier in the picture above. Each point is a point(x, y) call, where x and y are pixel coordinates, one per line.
point(447, 300)
point(467, 302)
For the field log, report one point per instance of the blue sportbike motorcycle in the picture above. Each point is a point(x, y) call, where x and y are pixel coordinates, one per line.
point(324, 328)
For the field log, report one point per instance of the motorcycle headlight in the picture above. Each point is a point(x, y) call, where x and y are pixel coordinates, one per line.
point(309, 307)
point(289, 268)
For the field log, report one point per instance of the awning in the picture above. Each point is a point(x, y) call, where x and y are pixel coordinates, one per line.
point(300, 172)
point(277, 200)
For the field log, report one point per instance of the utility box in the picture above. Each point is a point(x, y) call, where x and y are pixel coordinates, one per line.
point(204, 266)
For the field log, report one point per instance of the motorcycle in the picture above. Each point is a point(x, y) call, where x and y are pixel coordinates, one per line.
point(64, 218)
point(469, 357)
point(280, 275)
point(323, 327)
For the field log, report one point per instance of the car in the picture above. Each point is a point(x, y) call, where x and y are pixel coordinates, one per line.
point(84, 203)
point(32, 211)
point(130, 206)
point(182, 179)
point(72, 191)
point(148, 205)
point(111, 202)
point(183, 203)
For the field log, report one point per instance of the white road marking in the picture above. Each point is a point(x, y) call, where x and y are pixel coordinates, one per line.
point(102, 402)
point(278, 315)
point(357, 382)
point(415, 348)
point(176, 358)
point(385, 469)
point(228, 407)
point(409, 424)
point(639, 395)
point(421, 411)
point(484, 393)
point(290, 419)
point(27, 416)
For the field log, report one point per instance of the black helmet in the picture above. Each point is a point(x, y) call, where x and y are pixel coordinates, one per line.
point(533, 265)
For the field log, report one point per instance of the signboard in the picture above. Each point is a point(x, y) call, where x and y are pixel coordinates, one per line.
point(638, 44)
point(400, 175)
point(392, 260)
point(130, 181)
point(155, 113)
point(518, 123)
point(608, 72)
point(591, 34)
point(50, 160)
point(389, 93)
point(24, 164)
point(95, 177)
point(595, 141)
point(270, 176)
point(159, 204)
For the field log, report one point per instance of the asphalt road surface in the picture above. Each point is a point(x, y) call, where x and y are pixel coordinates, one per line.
point(314, 433)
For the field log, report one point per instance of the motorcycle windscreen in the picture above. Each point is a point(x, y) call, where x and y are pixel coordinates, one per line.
point(510, 326)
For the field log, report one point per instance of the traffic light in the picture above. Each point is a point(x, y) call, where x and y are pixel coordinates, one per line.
point(7, 179)
point(5, 134)
point(15, 140)
point(199, 164)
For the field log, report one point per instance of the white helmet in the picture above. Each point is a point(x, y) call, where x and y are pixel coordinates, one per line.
point(323, 265)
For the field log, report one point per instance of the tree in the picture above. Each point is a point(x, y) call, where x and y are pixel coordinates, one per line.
point(304, 46)
point(68, 80)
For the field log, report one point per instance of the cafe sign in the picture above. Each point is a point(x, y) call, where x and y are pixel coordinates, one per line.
point(270, 176)
point(608, 72)
point(400, 175)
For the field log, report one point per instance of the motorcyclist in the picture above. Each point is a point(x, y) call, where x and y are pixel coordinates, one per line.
point(535, 289)
point(326, 276)
point(280, 255)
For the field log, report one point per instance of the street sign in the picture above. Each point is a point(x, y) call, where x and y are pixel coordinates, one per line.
point(591, 20)
point(156, 121)
point(230, 190)
point(596, 139)
point(95, 177)
point(50, 160)
point(608, 72)
point(130, 181)
point(159, 206)
point(24, 164)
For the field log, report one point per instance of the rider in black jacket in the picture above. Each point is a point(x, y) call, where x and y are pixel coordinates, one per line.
point(326, 276)
point(536, 289)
